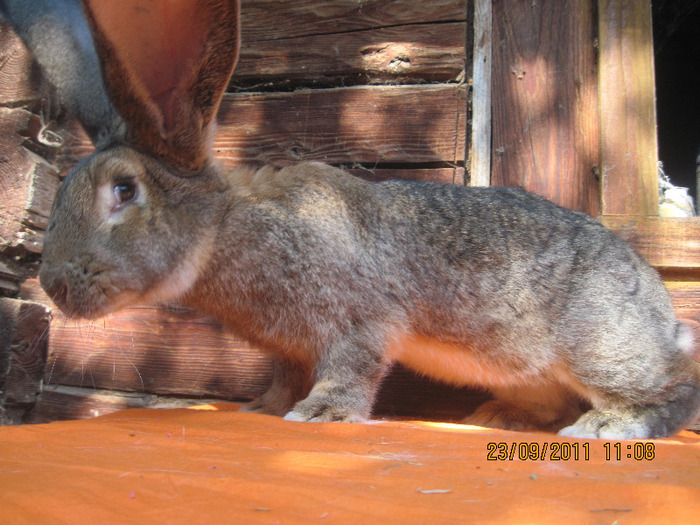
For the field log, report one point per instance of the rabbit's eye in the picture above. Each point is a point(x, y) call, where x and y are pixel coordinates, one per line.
point(124, 192)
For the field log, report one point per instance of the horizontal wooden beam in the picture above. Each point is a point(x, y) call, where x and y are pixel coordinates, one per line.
point(431, 52)
point(365, 124)
point(263, 20)
point(165, 351)
point(664, 242)
point(58, 402)
point(686, 301)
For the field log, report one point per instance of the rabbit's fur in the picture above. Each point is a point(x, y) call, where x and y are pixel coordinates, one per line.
point(337, 278)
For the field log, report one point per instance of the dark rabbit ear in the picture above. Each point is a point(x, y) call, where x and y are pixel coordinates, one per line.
point(166, 65)
point(57, 35)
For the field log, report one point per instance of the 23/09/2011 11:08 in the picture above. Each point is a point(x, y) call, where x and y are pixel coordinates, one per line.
point(556, 451)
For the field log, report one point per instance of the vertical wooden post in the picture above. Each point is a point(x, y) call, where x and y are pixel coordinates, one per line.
point(628, 147)
point(545, 134)
point(480, 147)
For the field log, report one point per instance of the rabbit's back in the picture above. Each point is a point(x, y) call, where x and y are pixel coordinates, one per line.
point(499, 268)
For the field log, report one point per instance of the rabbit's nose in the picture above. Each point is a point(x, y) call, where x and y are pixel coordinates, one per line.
point(55, 286)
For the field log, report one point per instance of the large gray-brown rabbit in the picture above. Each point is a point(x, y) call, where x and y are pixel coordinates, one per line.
point(337, 277)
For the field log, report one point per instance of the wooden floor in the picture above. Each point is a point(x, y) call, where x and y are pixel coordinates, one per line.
point(215, 465)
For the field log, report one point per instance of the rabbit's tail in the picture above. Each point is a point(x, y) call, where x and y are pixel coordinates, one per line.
point(685, 340)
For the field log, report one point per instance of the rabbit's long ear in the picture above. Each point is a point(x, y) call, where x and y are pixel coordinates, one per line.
point(166, 65)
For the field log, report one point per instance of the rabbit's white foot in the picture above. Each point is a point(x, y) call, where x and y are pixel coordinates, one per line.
point(319, 409)
point(670, 411)
point(608, 424)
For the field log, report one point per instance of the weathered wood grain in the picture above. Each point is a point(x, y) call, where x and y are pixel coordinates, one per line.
point(628, 146)
point(9, 280)
point(23, 339)
point(378, 124)
point(57, 403)
point(158, 351)
point(479, 164)
point(545, 100)
point(367, 124)
point(664, 242)
point(263, 20)
point(27, 184)
point(432, 52)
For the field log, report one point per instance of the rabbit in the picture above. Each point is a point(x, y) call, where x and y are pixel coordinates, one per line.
point(57, 35)
point(337, 278)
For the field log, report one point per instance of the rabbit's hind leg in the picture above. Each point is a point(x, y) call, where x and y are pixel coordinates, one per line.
point(546, 406)
point(291, 381)
point(641, 421)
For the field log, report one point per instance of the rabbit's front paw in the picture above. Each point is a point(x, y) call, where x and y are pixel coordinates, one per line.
point(320, 409)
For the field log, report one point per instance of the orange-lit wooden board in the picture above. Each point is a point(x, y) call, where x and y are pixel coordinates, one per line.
point(215, 465)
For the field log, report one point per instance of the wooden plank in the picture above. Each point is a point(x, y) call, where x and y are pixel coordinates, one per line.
point(27, 184)
point(158, 351)
point(480, 137)
point(373, 124)
point(10, 278)
point(433, 52)
point(59, 403)
point(263, 20)
point(544, 100)
point(366, 124)
point(664, 242)
point(23, 339)
point(628, 147)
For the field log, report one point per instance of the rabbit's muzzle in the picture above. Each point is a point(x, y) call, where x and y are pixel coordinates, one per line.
point(79, 288)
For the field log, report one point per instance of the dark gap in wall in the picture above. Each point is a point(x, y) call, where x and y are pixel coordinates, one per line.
point(402, 165)
point(288, 85)
point(677, 64)
point(361, 30)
